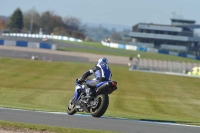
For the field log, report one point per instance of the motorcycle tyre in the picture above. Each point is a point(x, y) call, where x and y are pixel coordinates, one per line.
point(71, 111)
point(102, 107)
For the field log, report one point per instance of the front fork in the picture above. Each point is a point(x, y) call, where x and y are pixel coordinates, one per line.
point(78, 89)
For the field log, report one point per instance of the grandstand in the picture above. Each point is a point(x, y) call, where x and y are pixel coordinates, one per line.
point(179, 36)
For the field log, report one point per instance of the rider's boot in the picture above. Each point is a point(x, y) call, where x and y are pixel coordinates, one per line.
point(91, 94)
point(88, 95)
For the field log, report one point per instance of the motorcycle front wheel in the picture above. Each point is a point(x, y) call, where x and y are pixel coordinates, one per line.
point(71, 110)
point(102, 102)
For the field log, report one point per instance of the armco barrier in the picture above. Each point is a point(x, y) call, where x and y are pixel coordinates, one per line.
point(9, 43)
point(163, 51)
point(139, 48)
point(198, 57)
point(182, 54)
point(33, 45)
point(1, 42)
point(45, 46)
point(28, 44)
point(123, 46)
point(21, 43)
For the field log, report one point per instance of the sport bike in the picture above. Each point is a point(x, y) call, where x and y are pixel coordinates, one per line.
point(97, 104)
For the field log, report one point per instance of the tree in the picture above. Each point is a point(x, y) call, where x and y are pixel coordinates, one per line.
point(2, 24)
point(16, 20)
point(60, 31)
point(55, 21)
point(36, 21)
point(49, 21)
point(116, 36)
point(72, 23)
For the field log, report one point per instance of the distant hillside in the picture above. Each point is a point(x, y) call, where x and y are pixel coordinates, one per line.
point(3, 17)
point(109, 26)
point(98, 32)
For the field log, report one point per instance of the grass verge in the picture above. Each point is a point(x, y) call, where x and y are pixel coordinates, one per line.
point(24, 127)
point(47, 86)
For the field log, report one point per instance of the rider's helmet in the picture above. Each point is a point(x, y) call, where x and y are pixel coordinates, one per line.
point(103, 60)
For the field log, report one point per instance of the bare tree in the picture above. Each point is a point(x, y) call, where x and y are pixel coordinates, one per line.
point(116, 36)
point(2, 24)
point(72, 23)
point(35, 22)
point(50, 21)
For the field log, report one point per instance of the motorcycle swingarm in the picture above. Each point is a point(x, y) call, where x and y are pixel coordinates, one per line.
point(82, 106)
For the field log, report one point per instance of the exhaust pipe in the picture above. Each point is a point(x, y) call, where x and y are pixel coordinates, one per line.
point(105, 89)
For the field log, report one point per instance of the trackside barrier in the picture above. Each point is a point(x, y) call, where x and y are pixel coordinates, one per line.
point(123, 46)
point(22, 43)
point(43, 36)
point(166, 67)
point(139, 48)
point(28, 44)
point(1, 42)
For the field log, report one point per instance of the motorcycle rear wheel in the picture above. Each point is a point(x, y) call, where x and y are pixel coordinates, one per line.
point(71, 109)
point(101, 107)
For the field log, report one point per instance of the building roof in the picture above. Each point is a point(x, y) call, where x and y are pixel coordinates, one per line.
point(182, 20)
point(189, 26)
point(156, 24)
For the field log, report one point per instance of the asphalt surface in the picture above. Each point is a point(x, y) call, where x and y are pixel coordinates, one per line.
point(46, 55)
point(88, 122)
point(54, 55)
point(59, 44)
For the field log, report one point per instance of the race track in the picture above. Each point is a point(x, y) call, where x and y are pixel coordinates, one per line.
point(82, 121)
point(21, 52)
point(87, 122)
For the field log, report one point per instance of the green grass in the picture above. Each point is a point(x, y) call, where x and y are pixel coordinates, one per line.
point(48, 86)
point(98, 48)
point(84, 43)
point(23, 127)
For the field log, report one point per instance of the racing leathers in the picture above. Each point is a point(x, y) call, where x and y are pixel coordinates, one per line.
point(101, 72)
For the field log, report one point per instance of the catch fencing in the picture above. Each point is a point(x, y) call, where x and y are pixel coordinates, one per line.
point(162, 66)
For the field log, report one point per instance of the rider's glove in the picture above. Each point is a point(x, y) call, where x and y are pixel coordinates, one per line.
point(79, 81)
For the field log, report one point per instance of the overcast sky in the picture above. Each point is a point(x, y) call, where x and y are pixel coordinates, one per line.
point(120, 12)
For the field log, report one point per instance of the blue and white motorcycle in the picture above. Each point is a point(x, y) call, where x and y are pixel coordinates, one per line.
point(97, 105)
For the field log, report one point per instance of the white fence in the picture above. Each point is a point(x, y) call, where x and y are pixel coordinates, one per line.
point(58, 37)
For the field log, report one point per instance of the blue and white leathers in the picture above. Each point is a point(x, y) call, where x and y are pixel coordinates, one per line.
point(101, 72)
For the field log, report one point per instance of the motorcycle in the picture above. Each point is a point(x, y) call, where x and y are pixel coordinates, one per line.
point(95, 105)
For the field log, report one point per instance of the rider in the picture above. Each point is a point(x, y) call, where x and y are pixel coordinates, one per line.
point(102, 73)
